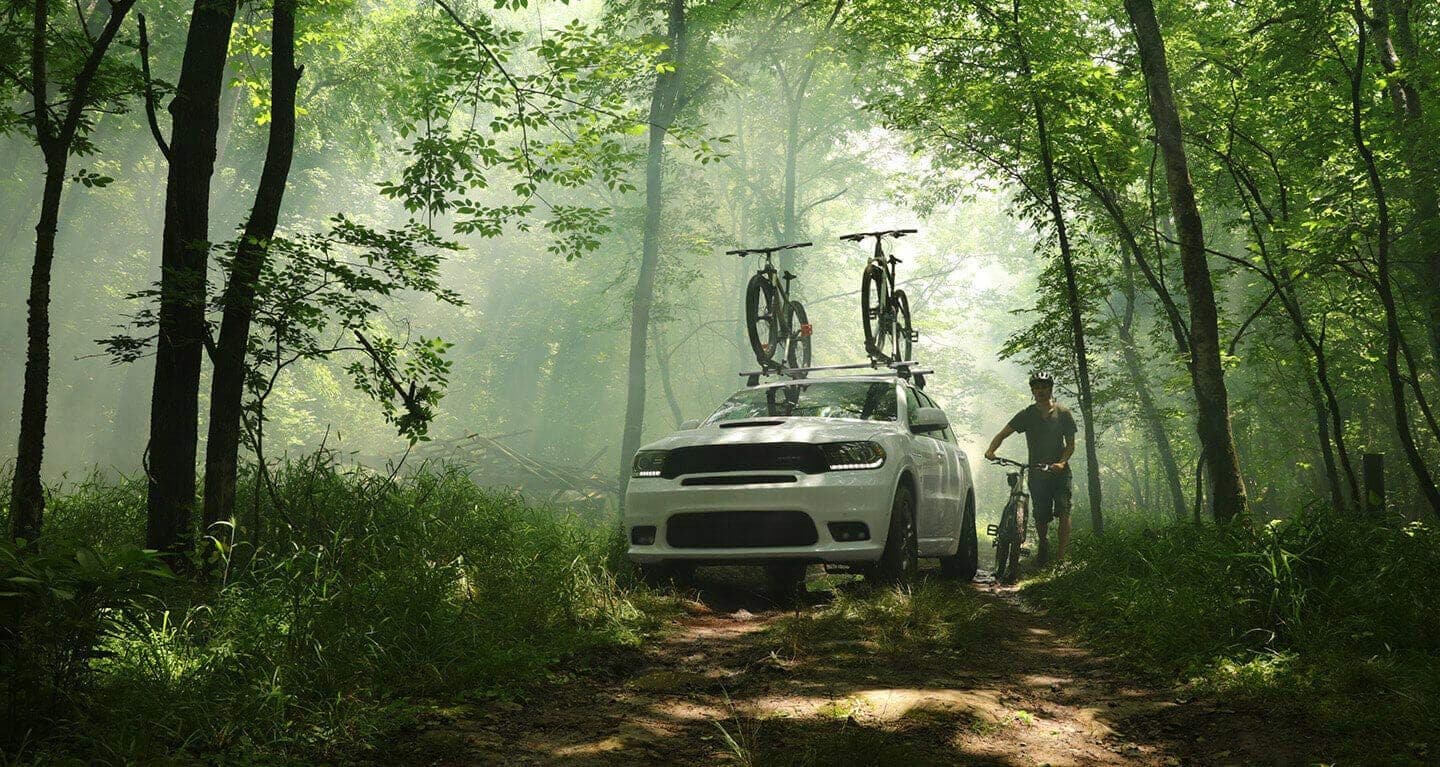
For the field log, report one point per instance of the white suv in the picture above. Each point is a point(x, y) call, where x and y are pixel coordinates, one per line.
point(857, 471)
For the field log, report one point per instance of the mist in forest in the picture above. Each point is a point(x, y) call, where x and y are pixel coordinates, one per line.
point(539, 345)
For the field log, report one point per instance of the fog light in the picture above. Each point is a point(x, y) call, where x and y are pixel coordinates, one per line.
point(642, 535)
point(849, 531)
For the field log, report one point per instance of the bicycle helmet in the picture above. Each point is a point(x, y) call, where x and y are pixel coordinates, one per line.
point(1041, 377)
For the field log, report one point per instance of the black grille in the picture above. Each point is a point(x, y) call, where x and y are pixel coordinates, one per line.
point(741, 479)
point(767, 456)
point(739, 529)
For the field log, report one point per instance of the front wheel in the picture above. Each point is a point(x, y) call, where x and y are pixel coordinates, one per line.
point(876, 315)
point(762, 320)
point(966, 560)
point(1007, 547)
point(900, 559)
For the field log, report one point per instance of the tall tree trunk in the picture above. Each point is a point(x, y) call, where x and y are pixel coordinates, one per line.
point(174, 401)
point(1072, 292)
point(227, 383)
point(1382, 273)
point(1207, 375)
point(1322, 436)
point(1398, 52)
point(27, 494)
point(663, 104)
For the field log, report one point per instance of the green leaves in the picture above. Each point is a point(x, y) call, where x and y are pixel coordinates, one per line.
point(90, 179)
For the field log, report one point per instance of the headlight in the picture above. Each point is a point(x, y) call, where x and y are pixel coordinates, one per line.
point(648, 463)
point(848, 456)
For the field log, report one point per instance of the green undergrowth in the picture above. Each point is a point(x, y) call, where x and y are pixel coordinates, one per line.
point(1334, 620)
point(934, 615)
point(363, 598)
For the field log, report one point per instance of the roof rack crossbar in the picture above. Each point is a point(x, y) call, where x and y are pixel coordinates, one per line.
point(905, 369)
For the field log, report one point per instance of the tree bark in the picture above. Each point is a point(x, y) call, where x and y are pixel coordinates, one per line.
point(663, 105)
point(1382, 272)
point(27, 493)
point(174, 401)
point(1207, 375)
point(227, 383)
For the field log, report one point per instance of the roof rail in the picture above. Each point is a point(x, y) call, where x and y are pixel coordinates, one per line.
point(906, 369)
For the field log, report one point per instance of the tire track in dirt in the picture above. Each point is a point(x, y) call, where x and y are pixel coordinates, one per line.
point(716, 689)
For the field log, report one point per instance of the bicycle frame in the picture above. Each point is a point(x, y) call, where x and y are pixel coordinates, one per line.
point(778, 281)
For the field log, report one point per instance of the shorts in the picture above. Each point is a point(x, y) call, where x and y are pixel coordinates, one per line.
point(1049, 496)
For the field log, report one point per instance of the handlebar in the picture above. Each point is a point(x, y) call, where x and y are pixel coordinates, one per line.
point(896, 233)
point(1007, 462)
point(742, 252)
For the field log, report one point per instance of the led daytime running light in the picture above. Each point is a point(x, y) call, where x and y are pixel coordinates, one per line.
point(649, 463)
point(853, 456)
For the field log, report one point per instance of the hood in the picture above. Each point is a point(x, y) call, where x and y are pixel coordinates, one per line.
point(760, 430)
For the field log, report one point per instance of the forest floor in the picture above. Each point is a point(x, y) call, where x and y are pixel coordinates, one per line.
point(718, 688)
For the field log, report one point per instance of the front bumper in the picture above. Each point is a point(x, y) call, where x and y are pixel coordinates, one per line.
point(836, 496)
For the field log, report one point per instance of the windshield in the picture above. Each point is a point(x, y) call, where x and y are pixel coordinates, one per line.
point(862, 400)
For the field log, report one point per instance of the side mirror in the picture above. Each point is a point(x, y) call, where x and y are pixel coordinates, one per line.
point(928, 419)
point(693, 423)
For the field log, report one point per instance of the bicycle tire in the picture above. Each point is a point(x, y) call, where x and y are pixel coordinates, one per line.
point(796, 329)
point(874, 309)
point(902, 326)
point(1005, 540)
point(761, 319)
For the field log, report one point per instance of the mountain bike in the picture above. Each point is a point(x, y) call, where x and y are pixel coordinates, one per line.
point(884, 309)
point(1010, 534)
point(778, 327)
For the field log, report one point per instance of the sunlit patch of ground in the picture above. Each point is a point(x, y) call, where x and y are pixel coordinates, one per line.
point(739, 680)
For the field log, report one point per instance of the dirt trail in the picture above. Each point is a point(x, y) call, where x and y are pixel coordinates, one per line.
point(715, 690)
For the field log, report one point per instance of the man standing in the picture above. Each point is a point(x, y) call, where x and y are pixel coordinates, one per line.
point(1049, 431)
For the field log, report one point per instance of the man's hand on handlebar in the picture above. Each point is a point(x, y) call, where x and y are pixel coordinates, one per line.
point(989, 455)
point(1056, 467)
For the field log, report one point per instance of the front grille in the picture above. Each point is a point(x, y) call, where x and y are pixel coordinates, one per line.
point(766, 456)
point(741, 479)
point(739, 529)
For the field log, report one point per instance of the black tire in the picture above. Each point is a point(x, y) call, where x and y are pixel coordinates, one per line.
point(875, 311)
point(966, 560)
point(762, 320)
point(903, 328)
point(796, 329)
point(900, 560)
point(1007, 548)
point(786, 581)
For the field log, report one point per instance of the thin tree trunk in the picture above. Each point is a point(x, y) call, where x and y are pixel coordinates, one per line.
point(227, 383)
point(1207, 375)
point(663, 103)
point(1072, 294)
point(1382, 273)
point(174, 401)
point(27, 494)
point(1150, 414)
point(662, 360)
point(1398, 51)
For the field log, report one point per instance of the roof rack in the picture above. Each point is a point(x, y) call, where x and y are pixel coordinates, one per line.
point(907, 369)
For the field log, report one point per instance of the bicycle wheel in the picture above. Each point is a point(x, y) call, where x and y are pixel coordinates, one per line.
point(875, 313)
point(903, 332)
point(762, 319)
point(796, 329)
point(1005, 542)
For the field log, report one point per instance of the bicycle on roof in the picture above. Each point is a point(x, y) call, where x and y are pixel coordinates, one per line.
point(884, 309)
point(778, 327)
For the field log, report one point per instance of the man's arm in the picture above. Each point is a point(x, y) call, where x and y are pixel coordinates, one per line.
point(1067, 450)
point(995, 443)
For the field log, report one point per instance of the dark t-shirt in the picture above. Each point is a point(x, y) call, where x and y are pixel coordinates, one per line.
point(1044, 436)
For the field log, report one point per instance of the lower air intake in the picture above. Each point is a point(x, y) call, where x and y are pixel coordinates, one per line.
point(740, 529)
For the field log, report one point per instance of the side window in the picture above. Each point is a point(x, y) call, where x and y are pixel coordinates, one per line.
point(912, 405)
point(919, 399)
point(947, 435)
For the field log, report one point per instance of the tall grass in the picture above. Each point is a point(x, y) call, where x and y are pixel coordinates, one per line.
point(1325, 616)
point(359, 590)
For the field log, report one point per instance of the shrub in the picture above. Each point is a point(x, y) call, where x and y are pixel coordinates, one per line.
point(360, 589)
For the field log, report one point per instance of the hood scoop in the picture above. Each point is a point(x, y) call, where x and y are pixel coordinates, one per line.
point(739, 424)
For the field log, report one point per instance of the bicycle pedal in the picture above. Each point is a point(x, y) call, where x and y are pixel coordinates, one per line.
point(992, 530)
point(914, 336)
